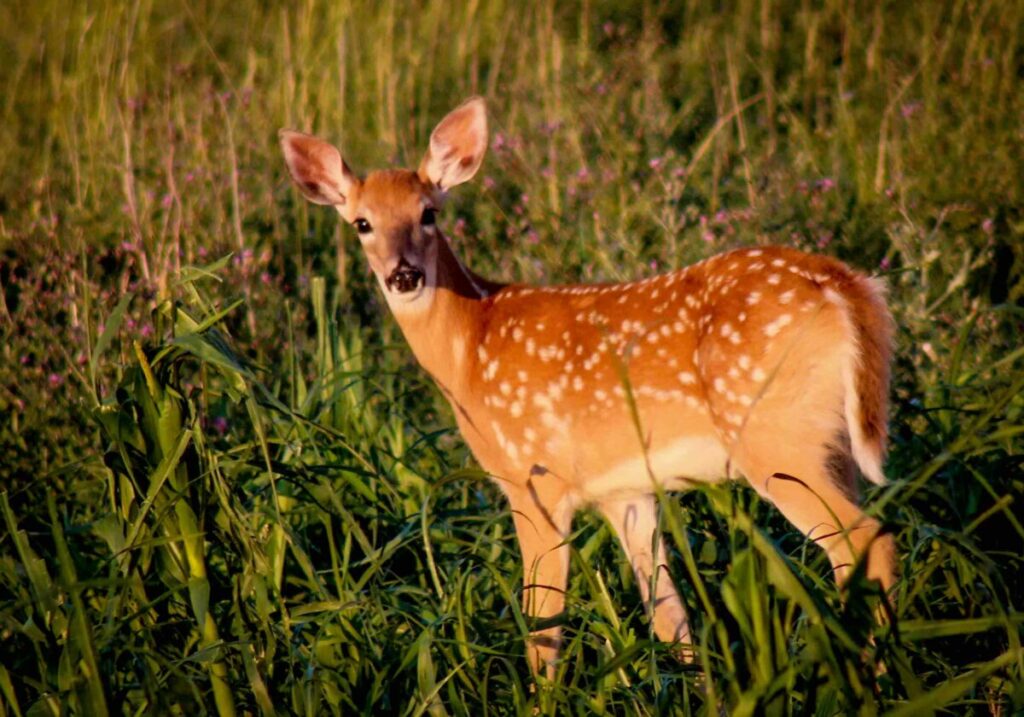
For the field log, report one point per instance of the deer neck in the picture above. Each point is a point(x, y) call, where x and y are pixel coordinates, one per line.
point(443, 334)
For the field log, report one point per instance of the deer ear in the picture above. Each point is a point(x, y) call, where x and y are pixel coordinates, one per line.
point(457, 146)
point(317, 169)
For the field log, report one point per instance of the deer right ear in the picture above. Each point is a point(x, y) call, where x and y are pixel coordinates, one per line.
point(318, 169)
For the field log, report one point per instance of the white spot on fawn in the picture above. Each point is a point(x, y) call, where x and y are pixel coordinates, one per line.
point(776, 326)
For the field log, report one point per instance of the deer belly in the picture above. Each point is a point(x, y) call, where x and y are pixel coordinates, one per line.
point(674, 466)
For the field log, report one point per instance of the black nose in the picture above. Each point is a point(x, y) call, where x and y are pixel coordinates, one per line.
point(405, 278)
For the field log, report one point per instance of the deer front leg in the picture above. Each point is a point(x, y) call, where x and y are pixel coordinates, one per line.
point(635, 520)
point(542, 513)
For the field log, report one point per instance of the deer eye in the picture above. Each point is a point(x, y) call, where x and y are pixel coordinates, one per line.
point(362, 226)
point(429, 217)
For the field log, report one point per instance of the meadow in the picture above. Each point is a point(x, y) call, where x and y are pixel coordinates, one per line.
point(225, 486)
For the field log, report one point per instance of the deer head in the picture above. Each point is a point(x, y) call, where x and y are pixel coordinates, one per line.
point(394, 210)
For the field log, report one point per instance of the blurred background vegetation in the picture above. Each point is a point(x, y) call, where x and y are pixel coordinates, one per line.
point(226, 487)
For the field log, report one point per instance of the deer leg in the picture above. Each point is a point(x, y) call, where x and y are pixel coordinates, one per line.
point(543, 517)
point(822, 510)
point(635, 522)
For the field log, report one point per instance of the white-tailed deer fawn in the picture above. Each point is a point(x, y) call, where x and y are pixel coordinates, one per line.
point(761, 362)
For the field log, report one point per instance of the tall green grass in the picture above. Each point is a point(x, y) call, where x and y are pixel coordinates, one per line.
point(225, 485)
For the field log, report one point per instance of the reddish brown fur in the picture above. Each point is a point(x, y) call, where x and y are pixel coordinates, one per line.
point(753, 362)
point(875, 331)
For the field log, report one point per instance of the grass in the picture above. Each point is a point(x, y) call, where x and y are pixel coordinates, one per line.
point(227, 488)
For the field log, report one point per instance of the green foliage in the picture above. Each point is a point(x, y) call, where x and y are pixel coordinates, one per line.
point(224, 485)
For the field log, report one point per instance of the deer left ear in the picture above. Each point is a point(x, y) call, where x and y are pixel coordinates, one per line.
point(457, 146)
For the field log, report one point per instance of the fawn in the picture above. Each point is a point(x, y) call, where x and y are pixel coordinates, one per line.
point(765, 361)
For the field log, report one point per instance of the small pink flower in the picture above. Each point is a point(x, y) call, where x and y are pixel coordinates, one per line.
point(827, 184)
point(988, 226)
point(884, 264)
point(910, 109)
point(166, 201)
point(220, 424)
point(489, 183)
point(655, 163)
point(532, 237)
point(55, 379)
point(653, 265)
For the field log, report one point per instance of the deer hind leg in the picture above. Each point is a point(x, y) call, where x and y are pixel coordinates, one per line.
point(635, 523)
point(542, 514)
point(819, 503)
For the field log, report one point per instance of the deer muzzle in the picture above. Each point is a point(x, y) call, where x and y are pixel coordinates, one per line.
point(405, 278)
